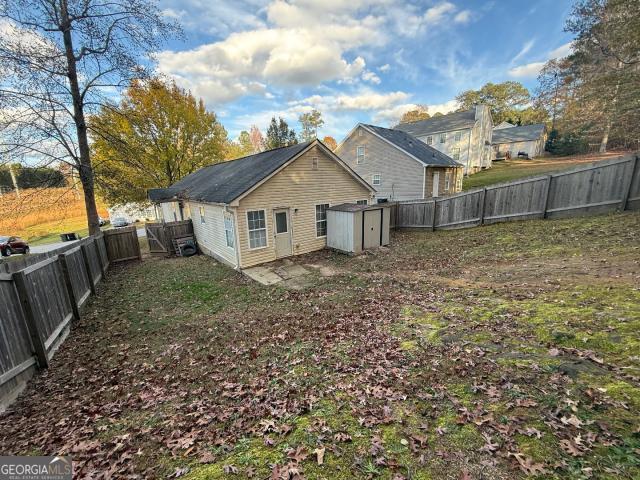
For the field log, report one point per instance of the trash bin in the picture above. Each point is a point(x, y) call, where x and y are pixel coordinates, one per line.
point(69, 237)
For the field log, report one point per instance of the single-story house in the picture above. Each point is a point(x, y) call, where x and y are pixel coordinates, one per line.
point(265, 206)
point(398, 165)
point(529, 139)
point(464, 136)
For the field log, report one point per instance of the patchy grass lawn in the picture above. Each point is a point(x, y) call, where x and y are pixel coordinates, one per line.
point(501, 352)
point(508, 170)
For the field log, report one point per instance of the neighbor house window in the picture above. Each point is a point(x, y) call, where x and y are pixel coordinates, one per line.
point(456, 154)
point(362, 202)
point(429, 140)
point(447, 181)
point(360, 154)
point(314, 163)
point(321, 220)
point(228, 230)
point(459, 181)
point(376, 179)
point(201, 210)
point(257, 229)
point(360, 133)
point(443, 137)
point(458, 136)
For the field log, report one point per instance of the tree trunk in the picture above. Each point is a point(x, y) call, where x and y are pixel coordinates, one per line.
point(605, 137)
point(85, 169)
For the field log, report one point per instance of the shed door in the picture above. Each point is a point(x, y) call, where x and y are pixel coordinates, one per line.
point(371, 226)
point(282, 232)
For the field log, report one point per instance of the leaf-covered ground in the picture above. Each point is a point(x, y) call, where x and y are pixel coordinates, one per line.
point(506, 351)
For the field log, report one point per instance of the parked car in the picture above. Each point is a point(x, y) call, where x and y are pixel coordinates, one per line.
point(11, 245)
point(118, 222)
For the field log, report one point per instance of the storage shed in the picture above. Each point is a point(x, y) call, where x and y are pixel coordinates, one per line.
point(352, 228)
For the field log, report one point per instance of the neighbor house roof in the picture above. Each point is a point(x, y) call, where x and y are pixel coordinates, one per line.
point(503, 125)
point(429, 156)
point(518, 134)
point(226, 181)
point(442, 123)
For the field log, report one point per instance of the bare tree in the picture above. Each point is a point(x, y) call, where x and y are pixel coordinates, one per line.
point(63, 59)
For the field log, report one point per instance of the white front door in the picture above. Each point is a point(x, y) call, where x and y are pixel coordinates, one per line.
point(436, 183)
point(282, 232)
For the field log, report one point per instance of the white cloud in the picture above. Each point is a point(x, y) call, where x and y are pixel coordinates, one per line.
point(364, 101)
point(438, 12)
point(463, 17)
point(385, 68)
point(532, 69)
point(528, 70)
point(445, 107)
point(371, 77)
point(524, 50)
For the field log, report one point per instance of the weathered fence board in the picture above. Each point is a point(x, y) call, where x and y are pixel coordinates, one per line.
point(102, 251)
point(459, 211)
point(602, 187)
point(161, 235)
point(92, 262)
point(17, 362)
point(79, 280)
point(122, 244)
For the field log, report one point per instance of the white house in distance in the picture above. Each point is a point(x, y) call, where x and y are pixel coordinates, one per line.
point(527, 139)
point(463, 136)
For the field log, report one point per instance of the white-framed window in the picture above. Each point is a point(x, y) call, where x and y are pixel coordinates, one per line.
point(257, 226)
point(458, 136)
point(314, 163)
point(447, 181)
point(429, 140)
point(376, 179)
point(443, 138)
point(321, 220)
point(362, 202)
point(359, 154)
point(459, 182)
point(228, 230)
point(202, 217)
point(455, 153)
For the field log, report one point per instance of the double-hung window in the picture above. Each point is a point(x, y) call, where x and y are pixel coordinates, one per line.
point(429, 140)
point(443, 138)
point(447, 181)
point(321, 220)
point(362, 202)
point(257, 228)
point(458, 136)
point(202, 217)
point(228, 230)
point(456, 154)
point(314, 163)
point(360, 154)
point(376, 179)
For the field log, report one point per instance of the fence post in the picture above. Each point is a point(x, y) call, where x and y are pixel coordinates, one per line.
point(67, 280)
point(545, 198)
point(433, 215)
point(627, 188)
point(87, 265)
point(103, 270)
point(482, 205)
point(20, 280)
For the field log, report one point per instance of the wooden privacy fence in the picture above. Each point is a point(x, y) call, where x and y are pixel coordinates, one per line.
point(41, 294)
point(602, 187)
point(161, 235)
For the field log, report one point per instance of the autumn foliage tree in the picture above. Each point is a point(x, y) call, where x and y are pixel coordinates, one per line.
point(158, 134)
point(415, 115)
point(330, 142)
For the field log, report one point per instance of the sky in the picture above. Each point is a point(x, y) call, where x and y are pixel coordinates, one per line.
point(354, 60)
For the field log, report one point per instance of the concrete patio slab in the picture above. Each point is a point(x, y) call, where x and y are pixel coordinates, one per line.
point(290, 274)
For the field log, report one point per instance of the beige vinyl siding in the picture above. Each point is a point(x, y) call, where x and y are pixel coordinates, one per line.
point(401, 175)
point(297, 187)
point(210, 235)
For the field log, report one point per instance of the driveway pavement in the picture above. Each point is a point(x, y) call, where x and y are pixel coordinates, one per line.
point(49, 246)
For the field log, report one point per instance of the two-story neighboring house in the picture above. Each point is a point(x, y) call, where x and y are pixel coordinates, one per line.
point(464, 136)
point(398, 165)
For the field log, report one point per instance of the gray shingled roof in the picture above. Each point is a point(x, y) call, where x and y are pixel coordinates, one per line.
point(410, 144)
point(444, 123)
point(518, 134)
point(226, 181)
